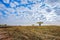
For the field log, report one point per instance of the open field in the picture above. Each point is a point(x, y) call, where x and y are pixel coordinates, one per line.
point(30, 33)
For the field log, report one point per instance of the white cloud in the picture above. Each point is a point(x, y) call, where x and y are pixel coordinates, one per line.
point(6, 1)
point(12, 4)
point(2, 5)
point(52, 3)
point(1, 14)
point(10, 10)
point(16, 3)
point(35, 1)
point(24, 2)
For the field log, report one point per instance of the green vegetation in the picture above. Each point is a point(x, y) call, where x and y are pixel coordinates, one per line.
point(33, 32)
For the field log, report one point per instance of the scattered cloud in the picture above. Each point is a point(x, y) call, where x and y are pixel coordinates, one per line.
point(29, 11)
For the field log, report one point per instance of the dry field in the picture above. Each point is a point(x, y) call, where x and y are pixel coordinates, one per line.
point(30, 33)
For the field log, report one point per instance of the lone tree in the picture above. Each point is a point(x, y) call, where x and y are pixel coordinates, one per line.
point(39, 23)
point(32, 24)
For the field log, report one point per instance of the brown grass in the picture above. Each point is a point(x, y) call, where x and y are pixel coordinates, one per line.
point(33, 32)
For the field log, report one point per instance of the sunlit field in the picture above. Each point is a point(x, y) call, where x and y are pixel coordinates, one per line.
point(30, 33)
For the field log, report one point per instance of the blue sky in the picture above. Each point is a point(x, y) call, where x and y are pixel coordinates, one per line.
point(24, 12)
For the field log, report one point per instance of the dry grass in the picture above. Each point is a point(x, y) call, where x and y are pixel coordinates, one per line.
point(33, 32)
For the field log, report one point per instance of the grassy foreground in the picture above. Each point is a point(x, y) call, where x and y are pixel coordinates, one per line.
point(30, 33)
